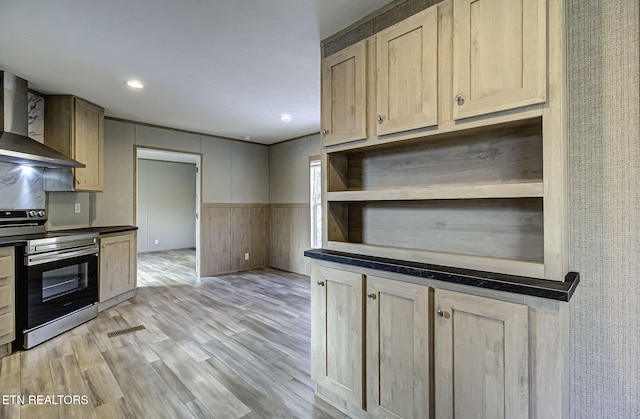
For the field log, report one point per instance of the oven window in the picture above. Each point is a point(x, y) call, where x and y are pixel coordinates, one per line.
point(65, 280)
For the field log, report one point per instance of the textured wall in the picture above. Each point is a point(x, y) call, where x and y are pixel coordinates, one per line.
point(604, 141)
point(374, 25)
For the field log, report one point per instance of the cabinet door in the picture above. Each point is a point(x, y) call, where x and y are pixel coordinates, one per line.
point(117, 265)
point(7, 312)
point(337, 332)
point(481, 357)
point(397, 344)
point(499, 55)
point(407, 73)
point(89, 146)
point(344, 116)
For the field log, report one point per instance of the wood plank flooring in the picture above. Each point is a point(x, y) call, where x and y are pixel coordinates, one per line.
point(230, 346)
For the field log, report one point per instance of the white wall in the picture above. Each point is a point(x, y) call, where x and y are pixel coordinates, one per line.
point(232, 171)
point(289, 169)
point(289, 202)
point(166, 205)
point(115, 204)
point(235, 172)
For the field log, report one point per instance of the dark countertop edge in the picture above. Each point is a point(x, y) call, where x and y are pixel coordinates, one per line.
point(22, 240)
point(102, 230)
point(553, 290)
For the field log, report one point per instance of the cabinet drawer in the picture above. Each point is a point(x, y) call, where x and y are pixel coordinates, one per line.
point(6, 324)
point(6, 296)
point(6, 266)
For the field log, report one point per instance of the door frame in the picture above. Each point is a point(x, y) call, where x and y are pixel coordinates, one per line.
point(176, 156)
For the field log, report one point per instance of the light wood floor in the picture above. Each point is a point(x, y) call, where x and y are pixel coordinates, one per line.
point(231, 346)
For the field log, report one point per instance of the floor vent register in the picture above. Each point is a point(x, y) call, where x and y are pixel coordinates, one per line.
point(125, 331)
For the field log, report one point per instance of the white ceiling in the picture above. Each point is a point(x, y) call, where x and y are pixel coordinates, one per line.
point(222, 67)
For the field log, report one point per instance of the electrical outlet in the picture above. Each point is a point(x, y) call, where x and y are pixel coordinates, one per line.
point(246, 256)
point(156, 241)
point(77, 208)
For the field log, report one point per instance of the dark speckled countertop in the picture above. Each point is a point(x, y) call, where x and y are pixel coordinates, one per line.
point(554, 290)
point(102, 230)
point(21, 240)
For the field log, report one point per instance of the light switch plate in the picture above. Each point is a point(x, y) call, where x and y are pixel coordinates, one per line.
point(77, 208)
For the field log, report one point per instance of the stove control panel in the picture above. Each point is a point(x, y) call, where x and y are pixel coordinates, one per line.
point(17, 222)
point(13, 215)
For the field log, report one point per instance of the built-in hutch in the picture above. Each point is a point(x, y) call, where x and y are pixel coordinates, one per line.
point(444, 165)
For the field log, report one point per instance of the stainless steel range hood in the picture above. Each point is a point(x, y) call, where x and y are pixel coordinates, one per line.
point(15, 145)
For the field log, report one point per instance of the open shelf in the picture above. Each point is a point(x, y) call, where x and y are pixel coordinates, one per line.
point(480, 263)
point(505, 190)
point(509, 155)
point(499, 228)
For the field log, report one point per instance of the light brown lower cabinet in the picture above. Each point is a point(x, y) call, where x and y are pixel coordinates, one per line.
point(118, 265)
point(337, 333)
point(398, 346)
point(388, 348)
point(396, 383)
point(7, 305)
point(481, 357)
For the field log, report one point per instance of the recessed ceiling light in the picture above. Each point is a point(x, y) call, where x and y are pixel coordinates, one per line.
point(135, 84)
point(285, 117)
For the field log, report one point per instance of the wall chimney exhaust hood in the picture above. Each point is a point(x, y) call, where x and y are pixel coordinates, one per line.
point(15, 145)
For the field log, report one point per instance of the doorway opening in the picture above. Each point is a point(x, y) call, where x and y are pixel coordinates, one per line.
point(167, 194)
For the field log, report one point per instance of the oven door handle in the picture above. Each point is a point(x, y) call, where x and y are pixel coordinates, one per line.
point(39, 259)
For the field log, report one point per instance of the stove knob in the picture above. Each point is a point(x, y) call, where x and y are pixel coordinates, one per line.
point(41, 213)
point(32, 213)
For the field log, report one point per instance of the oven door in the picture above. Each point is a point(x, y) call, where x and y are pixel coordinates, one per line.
point(60, 286)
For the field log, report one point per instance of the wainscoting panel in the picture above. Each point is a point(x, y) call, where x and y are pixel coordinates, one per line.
point(228, 232)
point(290, 237)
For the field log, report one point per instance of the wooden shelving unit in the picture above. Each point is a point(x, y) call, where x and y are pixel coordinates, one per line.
point(471, 174)
point(472, 198)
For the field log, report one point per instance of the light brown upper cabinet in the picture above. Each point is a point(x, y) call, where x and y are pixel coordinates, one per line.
point(344, 96)
point(75, 128)
point(499, 59)
point(407, 74)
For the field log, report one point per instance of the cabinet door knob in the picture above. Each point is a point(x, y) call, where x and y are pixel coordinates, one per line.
point(440, 313)
point(325, 131)
point(321, 283)
point(459, 99)
point(371, 295)
point(379, 118)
